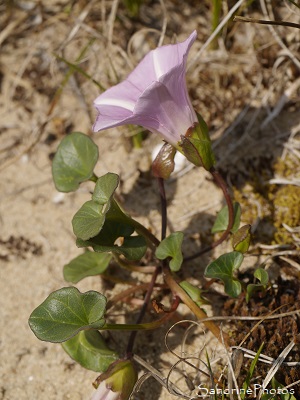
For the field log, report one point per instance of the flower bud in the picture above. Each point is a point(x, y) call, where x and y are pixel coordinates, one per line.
point(163, 164)
point(117, 382)
point(241, 239)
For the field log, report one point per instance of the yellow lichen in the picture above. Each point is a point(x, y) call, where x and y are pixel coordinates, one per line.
point(276, 205)
point(286, 205)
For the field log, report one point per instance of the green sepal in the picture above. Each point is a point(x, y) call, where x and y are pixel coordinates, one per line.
point(190, 151)
point(198, 151)
point(196, 145)
point(202, 128)
point(89, 349)
point(74, 161)
point(119, 380)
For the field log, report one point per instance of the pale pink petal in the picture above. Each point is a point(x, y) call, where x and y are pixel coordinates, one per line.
point(159, 61)
point(104, 393)
point(158, 111)
point(154, 95)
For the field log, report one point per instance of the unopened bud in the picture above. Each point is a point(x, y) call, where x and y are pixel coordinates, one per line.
point(163, 164)
point(241, 239)
point(117, 382)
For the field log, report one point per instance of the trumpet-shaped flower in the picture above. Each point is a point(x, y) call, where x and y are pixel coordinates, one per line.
point(117, 382)
point(154, 95)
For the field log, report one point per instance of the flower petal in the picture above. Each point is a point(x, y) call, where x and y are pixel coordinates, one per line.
point(157, 111)
point(154, 95)
point(104, 393)
point(159, 61)
point(175, 82)
point(115, 104)
point(167, 57)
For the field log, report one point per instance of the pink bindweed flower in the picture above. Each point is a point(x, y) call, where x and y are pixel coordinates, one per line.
point(154, 95)
point(117, 382)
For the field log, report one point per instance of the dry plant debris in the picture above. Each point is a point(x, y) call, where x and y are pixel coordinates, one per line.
point(247, 89)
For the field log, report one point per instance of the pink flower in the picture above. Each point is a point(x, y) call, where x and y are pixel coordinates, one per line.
point(105, 393)
point(117, 382)
point(154, 95)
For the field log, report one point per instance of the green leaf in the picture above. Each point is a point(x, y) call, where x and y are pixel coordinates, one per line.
point(251, 371)
point(87, 264)
point(66, 312)
point(89, 219)
point(171, 247)
point(133, 247)
point(194, 292)
point(283, 394)
point(222, 268)
point(262, 275)
point(105, 188)
point(74, 161)
point(89, 349)
point(221, 222)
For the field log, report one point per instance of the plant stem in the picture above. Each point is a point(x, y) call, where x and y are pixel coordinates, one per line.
point(141, 230)
point(216, 12)
point(222, 184)
point(157, 269)
point(94, 178)
point(196, 310)
point(128, 292)
point(146, 326)
point(142, 312)
point(163, 202)
point(173, 285)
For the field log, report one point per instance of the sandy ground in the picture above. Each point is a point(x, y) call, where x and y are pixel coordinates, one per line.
point(37, 240)
point(36, 237)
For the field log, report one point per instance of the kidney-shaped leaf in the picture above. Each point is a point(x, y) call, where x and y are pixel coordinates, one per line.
point(87, 264)
point(66, 312)
point(74, 161)
point(133, 247)
point(105, 187)
point(89, 219)
point(221, 221)
point(262, 275)
point(89, 349)
point(222, 268)
point(171, 247)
